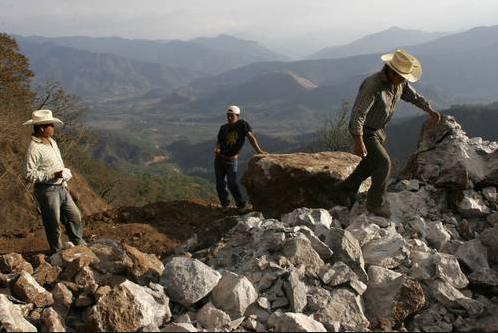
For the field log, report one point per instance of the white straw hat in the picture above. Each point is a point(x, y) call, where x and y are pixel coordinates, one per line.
point(233, 109)
point(404, 64)
point(41, 117)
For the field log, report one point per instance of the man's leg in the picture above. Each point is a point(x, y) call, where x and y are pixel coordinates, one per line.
point(233, 186)
point(380, 170)
point(71, 218)
point(376, 162)
point(221, 184)
point(49, 202)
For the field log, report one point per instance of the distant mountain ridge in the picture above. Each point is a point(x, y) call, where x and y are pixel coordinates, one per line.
point(98, 75)
point(383, 41)
point(208, 55)
point(462, 66)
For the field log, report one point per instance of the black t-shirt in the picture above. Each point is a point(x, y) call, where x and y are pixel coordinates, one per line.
point(231, 137)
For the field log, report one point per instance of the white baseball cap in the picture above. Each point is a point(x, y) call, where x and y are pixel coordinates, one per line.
point(233, 109)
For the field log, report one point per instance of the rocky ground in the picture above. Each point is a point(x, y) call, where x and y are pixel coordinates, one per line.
point(433, 266)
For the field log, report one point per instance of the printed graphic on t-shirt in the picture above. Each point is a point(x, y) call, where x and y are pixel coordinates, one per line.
point(232, 138)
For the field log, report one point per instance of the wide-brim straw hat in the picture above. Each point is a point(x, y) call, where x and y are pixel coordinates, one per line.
point(42, 117)
point(404, 64)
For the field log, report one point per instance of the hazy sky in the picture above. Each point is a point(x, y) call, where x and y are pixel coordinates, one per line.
point(336, 21)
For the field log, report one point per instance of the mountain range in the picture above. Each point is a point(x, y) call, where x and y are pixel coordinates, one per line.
point(379, 42)
point(205, 55)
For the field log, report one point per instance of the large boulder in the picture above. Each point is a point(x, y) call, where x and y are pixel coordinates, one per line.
point(449, 159)
point(280, 183)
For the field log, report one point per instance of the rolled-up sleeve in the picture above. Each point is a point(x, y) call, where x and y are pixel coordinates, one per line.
point(411, 96)
point(363, 104)
point(31, 172)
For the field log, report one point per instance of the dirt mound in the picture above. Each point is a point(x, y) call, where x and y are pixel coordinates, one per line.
point(157, 228)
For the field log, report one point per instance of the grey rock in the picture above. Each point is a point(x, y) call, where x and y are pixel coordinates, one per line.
point(300, 252)
point(390, 298)
point(295, 290)
point(489, 238)
point(347, 249)
point(320, 247)
point(318, 220)
point(489, 193)
point(448, 269)
point(389, 251)
point(188, 280)
point(485, 277)
point(436, 234)
point(363, 229)
point(297, 322)
point(233, 294)
point(212, 318)
point(473, 255)
point(179, 327)
point(449, 296)
point(472, 205)
point(345, 307)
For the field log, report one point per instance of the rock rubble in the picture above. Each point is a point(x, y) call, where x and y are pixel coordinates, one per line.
point(431, 267)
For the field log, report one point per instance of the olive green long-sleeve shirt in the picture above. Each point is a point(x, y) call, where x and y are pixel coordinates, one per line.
point(376, 100)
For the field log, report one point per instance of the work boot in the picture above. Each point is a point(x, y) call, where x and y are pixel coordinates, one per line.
point(246, 208)
point(342, 196)
point(382, 211)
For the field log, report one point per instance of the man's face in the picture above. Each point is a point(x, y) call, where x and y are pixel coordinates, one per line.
point(232, 118)
point(395, 77)
point(48, 130)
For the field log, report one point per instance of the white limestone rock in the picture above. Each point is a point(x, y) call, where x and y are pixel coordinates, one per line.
point(188, 280)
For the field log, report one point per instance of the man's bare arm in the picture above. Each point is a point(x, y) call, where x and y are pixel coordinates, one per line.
point(255, 144)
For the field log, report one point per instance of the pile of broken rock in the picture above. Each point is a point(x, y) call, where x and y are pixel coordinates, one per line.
point(430, 267)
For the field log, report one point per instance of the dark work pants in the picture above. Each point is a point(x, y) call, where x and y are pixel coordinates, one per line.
point(377, 165)
point(57, 206)
point(226, 174)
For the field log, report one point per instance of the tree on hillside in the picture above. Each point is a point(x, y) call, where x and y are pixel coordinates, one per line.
point(51, 95)
point(15, 105)
point(334, 135)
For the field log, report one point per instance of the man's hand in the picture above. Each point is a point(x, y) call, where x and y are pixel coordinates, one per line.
point(360, 148)
point(217, 152)
point(436, 116)
point(263, 152)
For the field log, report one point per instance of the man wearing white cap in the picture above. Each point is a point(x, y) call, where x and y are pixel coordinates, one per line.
point(231, 138)
point(44, 167)
point(372, 110)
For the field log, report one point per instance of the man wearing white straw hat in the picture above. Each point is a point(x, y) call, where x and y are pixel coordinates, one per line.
point(372, 110)
point(44, 167)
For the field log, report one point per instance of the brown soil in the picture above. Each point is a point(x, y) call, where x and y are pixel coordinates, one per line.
point(157, 228)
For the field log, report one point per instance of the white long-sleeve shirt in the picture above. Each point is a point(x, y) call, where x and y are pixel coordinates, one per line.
point(43, 160)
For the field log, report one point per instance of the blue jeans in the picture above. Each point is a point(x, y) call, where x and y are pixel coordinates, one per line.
point(226, 174)
point(56, 206)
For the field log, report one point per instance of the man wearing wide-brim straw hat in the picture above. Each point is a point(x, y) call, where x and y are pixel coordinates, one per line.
point(372, 110)
point(45, 169)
